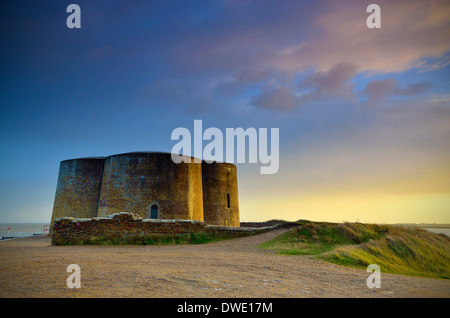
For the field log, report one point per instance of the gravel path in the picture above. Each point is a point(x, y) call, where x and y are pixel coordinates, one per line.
point(31, 267)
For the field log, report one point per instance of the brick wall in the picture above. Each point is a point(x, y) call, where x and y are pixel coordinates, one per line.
point(72, 230)
point(220, 194)
point(78, 189)
point(133, 182)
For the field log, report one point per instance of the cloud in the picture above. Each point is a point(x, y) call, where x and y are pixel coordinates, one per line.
point(412, 31)
point(379, 89)
point(252, 76)
point(334, 83)
point(316, 87)
point(428, 66)
point(256, 42)
point(390, 87)
point(413, 89)
point(279, 97)
point(297, 35)
point(333, 80)
point(264, 49)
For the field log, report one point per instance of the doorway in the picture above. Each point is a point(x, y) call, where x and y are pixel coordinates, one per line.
point(154, 212)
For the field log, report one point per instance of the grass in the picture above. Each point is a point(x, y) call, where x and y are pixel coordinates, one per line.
point(187, 238)
point(398, 250)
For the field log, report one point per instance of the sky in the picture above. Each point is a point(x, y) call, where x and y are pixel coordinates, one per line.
point(363, 114)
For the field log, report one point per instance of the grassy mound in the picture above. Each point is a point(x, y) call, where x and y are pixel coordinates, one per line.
point(398, 250)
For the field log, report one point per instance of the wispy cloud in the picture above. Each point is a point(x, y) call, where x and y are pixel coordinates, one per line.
point(381, 90)
point(278, 97)
point(319, 86)
point(411, 32)
point(271, 48)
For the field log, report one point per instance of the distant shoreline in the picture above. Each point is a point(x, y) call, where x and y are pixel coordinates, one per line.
point(424, 225)
point(9, 238)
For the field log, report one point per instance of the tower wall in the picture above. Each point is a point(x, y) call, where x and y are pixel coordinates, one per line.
point(78, 188)
point(220, 194)
point(133, 182)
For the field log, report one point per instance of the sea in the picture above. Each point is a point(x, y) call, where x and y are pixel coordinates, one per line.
point(437, 230)
point(22, 229)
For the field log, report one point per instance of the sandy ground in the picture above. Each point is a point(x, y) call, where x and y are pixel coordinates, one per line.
point(31, 267)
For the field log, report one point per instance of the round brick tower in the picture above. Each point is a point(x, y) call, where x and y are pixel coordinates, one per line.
point(78, 188)
point(151, 185)
point(220, 194)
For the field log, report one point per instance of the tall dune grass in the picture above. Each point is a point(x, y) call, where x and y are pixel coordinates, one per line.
point(399, 250)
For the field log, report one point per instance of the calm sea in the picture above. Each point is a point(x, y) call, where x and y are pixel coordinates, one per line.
point(21, 229)
point(438, 230)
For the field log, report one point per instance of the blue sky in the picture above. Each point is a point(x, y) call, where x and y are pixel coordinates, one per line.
point(363, 113)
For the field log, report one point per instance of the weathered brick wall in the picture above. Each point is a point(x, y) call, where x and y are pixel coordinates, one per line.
point(78, 189)
point(134, 182)
point(119, 225)
point(219, 181)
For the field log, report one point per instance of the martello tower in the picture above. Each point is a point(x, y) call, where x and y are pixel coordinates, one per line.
point(150, 185)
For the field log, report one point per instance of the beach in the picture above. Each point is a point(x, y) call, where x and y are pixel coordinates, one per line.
point(31, 267)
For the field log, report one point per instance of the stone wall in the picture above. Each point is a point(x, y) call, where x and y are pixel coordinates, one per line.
point(136, 181)
point(78, 189)
point(119, 225)
point(220, 194)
